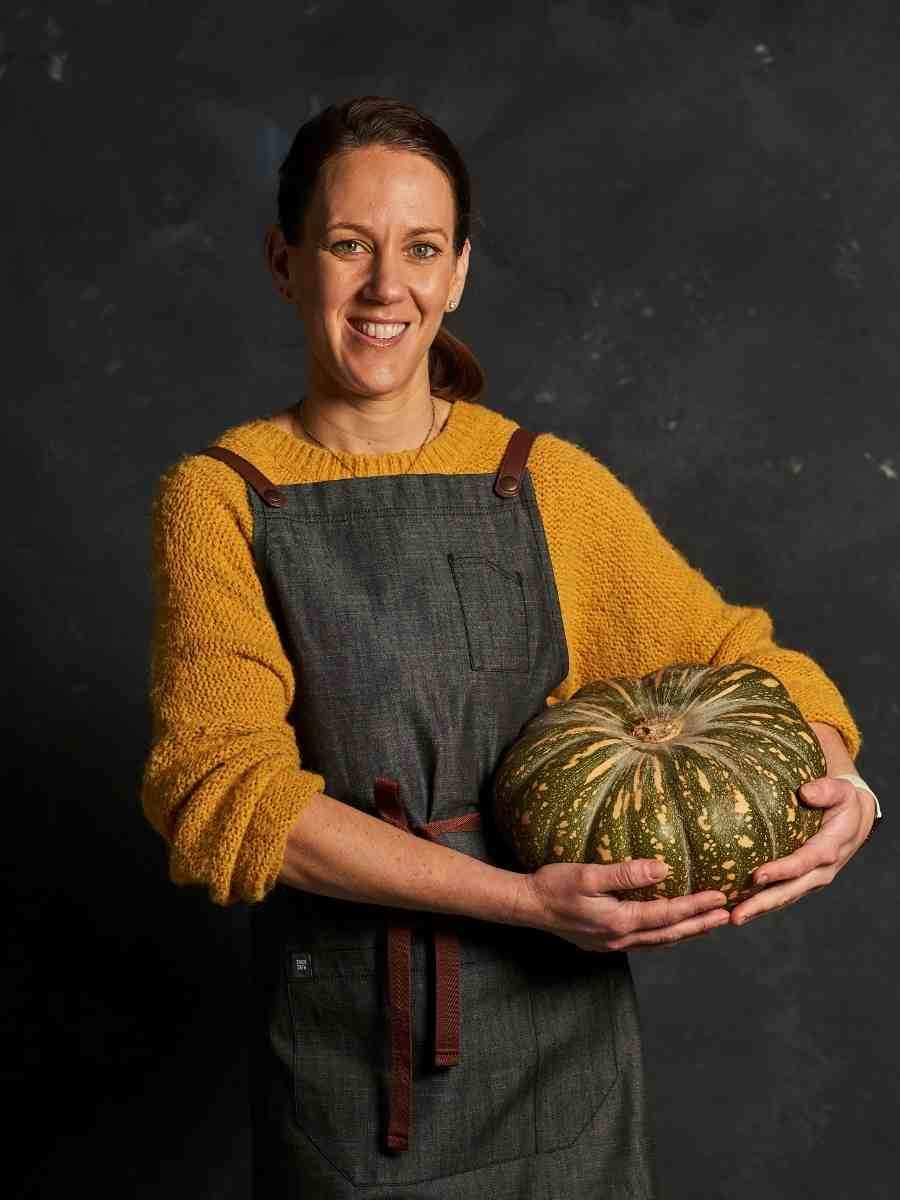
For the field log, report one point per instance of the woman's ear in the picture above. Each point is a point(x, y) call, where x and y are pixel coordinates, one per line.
point(277, 259)
point(462, 269)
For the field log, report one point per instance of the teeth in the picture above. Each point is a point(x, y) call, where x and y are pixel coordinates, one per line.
point(378, 331)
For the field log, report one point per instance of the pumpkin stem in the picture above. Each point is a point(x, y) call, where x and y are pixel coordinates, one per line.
point(660, 730)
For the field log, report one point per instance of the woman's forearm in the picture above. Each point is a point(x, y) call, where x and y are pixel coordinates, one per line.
point(834, 748)
point(337, 850)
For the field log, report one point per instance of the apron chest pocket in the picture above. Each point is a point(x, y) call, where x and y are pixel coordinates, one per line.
point(494, 612)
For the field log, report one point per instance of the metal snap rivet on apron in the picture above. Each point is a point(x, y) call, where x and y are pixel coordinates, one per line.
point(508, 483)
point(274, 498)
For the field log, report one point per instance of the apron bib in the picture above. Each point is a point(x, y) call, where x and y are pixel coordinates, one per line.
point(398, 1052)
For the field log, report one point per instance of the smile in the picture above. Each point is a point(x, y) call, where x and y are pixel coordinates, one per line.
point(371, 338)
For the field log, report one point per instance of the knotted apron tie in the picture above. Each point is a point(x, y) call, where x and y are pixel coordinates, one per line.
point(399, 974)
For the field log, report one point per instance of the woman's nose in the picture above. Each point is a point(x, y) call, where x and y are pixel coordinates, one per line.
point(387, 278)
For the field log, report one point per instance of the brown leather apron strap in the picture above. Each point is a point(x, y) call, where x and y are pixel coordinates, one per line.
point(509, 473)
point(263, 486)
point(448, 1013)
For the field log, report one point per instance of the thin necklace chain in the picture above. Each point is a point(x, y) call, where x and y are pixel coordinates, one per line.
point(295, 413)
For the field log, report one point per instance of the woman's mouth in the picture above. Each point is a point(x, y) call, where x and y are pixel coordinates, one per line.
point(368, 332)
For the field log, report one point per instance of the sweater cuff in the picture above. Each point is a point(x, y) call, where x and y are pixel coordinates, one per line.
point(838, 719)
point(261, 856)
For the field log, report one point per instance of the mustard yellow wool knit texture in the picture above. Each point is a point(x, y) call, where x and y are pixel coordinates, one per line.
point(224, 782)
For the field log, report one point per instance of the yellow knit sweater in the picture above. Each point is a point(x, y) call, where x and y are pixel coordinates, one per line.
point(223, 782)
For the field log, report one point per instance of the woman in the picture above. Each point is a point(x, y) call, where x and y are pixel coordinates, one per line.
point(385, 581)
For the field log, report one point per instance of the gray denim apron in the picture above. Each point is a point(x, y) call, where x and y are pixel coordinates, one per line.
point(396, 1052)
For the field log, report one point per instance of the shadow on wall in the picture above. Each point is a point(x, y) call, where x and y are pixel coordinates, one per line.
point(115, 1019)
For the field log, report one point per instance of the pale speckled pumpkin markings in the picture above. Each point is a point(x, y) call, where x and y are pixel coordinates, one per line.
point(631, 791)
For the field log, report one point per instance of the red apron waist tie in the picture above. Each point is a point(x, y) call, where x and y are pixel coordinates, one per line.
point(399, 974)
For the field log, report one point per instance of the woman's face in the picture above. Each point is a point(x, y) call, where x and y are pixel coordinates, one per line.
point(364, 254)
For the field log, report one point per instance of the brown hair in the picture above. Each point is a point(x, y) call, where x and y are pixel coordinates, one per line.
point(380, 121)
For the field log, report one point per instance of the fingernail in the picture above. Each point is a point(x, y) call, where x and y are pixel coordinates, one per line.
point(762, 879)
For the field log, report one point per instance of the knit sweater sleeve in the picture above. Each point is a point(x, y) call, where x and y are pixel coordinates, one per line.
point(222, 783)
point(632, 602)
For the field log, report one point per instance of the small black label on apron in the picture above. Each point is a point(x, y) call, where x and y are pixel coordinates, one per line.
point(300, 964)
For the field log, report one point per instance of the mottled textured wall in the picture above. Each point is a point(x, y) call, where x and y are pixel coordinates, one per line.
point(685, 258)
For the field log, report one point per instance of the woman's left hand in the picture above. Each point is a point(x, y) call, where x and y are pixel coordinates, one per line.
point(849, 816)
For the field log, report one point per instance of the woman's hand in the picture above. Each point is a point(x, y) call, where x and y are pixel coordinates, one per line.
point(849, 816)
point(569, 900)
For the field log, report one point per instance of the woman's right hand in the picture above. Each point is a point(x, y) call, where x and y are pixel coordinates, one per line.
point(570, 900)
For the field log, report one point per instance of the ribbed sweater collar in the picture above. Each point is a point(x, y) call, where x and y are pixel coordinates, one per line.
point(292, 458)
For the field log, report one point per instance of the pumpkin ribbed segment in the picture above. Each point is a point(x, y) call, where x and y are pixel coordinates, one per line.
point(696, 766)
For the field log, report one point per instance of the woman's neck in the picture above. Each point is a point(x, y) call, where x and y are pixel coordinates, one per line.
point(298, 418)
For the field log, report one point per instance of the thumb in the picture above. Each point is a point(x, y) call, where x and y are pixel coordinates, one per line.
point(638, 872)
point(817, 791)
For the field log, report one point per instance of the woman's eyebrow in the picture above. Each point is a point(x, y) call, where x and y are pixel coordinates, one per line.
point(365, 228)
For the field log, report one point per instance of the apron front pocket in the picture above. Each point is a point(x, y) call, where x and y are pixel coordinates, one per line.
point(473, 1114)
point(337, 1023)
point(494, 612)
point(576, 1039)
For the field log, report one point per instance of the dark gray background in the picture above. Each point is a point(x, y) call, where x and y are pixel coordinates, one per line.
point(685, 258)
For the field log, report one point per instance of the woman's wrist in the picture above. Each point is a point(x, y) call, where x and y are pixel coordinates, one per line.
point(860, 784)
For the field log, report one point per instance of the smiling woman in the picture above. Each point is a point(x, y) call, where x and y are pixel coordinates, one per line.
point(359, 606)
point(371, 280)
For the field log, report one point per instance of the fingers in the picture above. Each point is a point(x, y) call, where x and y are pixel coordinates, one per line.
point(780, 895)
point(670, 935)
point(665, 922)
point(655, 914)
point(833, 842)
point(818, 852)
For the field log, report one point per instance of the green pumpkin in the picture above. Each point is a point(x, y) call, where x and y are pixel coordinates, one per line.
point(696, 766)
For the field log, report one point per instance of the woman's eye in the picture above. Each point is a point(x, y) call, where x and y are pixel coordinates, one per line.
point(428, 245)
point(354, 242)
